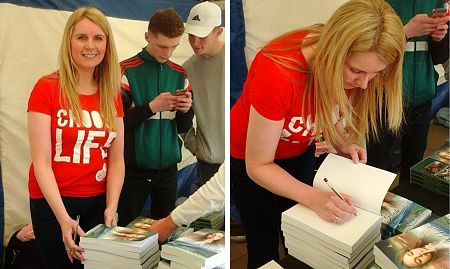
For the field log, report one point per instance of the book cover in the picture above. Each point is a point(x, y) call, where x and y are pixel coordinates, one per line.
point(141, 222)
point(212, 220)
point(400, 214)
point(432, 173)
point(442, 154)
point(179, 232)
point(426, 246)
point(130, 239)
point(204, 247)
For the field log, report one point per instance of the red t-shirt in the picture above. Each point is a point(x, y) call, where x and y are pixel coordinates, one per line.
point(276, 92)
point(79, 153)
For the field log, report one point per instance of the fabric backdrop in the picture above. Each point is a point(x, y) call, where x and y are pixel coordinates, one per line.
point(30, 35)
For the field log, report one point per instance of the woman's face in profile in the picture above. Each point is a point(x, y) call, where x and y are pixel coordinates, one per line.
point(417, 257)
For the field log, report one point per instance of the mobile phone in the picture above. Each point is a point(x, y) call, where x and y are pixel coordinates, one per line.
point(438, 12)
point(180, 92)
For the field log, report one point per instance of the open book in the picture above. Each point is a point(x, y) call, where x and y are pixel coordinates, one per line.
point(367, 185)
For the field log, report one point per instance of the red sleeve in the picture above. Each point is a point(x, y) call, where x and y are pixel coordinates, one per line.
point(41, 96)
point(270, 91)
point(119, 107)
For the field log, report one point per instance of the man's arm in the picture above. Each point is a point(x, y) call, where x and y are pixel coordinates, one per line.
point(209, 197)
point(439, 50)
point(134, 115)
point(184, 120)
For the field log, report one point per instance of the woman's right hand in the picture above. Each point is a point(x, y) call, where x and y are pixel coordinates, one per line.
point(68, 227)
point(331, 208)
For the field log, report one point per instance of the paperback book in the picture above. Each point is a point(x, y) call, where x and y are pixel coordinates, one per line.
point(141, 222)
point(401, 215)
point(426, 246)
point(200, 249)
point(432, 173)
point(124, 238)
point(213, 220)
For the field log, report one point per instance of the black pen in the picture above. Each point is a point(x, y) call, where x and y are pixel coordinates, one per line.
point(75, 234)
point(336, 192)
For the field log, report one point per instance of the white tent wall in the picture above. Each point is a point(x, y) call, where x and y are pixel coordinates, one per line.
point(29, 42)
point(265, 20)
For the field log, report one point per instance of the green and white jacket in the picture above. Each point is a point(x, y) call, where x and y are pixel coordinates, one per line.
point(419, 85)
point(151, 139)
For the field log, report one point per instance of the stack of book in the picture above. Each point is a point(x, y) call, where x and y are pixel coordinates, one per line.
point(432, 173)
point(214, 220)
point(119, 247)
point(202, 249)
point(400, 215)
point(373, 265)
point(322, 244)
point(426, 246)
point(271, 265)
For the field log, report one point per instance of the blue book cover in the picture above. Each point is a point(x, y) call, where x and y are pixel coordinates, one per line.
point(401, 215)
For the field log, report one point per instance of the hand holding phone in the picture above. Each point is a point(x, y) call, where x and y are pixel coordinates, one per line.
point(438, 12)
point(180, 92)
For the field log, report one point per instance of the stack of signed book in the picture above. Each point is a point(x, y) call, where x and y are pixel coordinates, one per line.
point(432, 173)
point(400, 215)
point(120, 247)
point(214, 220)
point(427, 246)
point(322, 244)
point(202, 249)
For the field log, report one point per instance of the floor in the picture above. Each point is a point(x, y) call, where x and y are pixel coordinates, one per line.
point(238, 252)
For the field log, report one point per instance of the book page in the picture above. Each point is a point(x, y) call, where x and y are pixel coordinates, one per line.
point(366, 184)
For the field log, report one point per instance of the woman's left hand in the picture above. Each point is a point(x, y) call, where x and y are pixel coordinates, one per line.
point(322, 147)
point(110, 217)
point(356, 153)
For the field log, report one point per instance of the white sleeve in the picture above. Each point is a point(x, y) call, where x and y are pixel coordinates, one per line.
point(208, 198)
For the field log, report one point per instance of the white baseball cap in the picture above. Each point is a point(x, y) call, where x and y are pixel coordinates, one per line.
point(203, 18)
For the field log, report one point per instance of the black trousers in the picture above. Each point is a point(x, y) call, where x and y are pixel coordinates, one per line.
point(206, 171)
point(161, 185)
point(48, 232)
point(413, 136)
point(261, 210)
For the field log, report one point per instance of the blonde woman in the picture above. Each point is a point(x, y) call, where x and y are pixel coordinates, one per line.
point(75, 131)
point(300, 85)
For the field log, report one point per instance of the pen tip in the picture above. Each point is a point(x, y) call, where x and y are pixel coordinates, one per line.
point(325, 179)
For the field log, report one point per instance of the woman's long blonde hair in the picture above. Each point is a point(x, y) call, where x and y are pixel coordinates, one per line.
point(358, 26)
point(106, 74)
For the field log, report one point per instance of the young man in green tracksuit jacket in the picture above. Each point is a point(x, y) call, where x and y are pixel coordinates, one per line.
point(427, 45)
point(157, 104)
